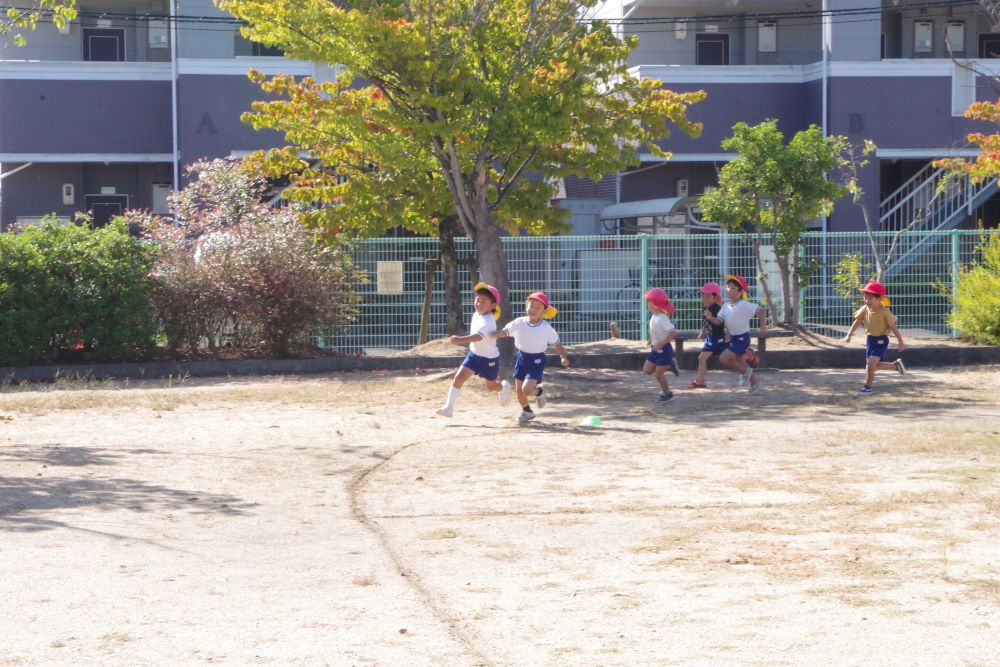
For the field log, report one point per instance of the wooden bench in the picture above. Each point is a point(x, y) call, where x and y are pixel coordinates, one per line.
point(761, 346)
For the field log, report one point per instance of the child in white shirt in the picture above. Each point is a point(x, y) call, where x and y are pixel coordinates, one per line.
point(661, 332)
point(737, 314)
point(532, 336)
point(483, 358)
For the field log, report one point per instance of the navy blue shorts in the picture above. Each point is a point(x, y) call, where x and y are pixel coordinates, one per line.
point(877, 346)
point(739, 345)
point(529, 366)
point(484, 367)
point(661, 357)
point(715, 345)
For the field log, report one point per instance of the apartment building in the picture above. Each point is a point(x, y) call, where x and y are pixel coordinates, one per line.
point(103, 116)
point(898, 72)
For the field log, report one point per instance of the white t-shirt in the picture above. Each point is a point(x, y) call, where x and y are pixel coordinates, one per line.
point(484, 325)
point(737, 316)
point(659, 327)
point(531, 338)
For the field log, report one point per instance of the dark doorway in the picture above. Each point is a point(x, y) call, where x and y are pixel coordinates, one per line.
point(711, 49)
point(104, 207)
point(989, 45)
point(104, 44)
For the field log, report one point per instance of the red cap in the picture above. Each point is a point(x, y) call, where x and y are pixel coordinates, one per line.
point(741, 281)
point(659, 298)
point(874, 287)
point(541, 298)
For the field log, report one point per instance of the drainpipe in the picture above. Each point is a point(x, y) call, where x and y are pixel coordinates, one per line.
point(827, 46)
point(173, 96)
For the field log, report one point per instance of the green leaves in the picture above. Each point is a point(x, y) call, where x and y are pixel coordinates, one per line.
point(60, 12)
point(462, 100)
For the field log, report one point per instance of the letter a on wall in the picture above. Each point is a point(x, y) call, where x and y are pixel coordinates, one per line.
point(206, 126)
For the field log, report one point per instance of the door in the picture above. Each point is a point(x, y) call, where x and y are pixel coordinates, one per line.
point(104, 207)
point(711, 49)
point(104, 44)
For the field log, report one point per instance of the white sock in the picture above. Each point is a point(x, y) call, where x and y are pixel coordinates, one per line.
point(452, 397)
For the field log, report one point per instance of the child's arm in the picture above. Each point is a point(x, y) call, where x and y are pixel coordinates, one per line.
point(666, 341)
point(854, 327)
point(707, 314)
point(899, 337)
point(563, 359)
point(465, 340)
point(500, 333)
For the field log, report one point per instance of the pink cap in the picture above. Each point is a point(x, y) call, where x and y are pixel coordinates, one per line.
point(659, 298)
point(711, 288)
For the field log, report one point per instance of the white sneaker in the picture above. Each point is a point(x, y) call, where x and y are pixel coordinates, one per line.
point(505, 393)
point(540, 397)
point(745, 377)
point(445, 411)
point(525, 417)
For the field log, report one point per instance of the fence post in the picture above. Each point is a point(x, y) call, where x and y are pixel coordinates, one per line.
point(954, 275)
point(643, 275)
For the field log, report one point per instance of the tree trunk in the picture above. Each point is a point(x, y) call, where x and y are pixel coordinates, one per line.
point(771, 308)
point(454, 322)
point(491, 257)
point(786, 289)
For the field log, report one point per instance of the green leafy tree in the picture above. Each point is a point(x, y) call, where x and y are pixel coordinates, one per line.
point(60, 12)
point(481, 103)
point(776, 188)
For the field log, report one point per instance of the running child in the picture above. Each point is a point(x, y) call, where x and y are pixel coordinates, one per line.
point(661, 332)
point(713, 331)
point(532, 336)
point(737, 314)
point(878, 321)
point(483, 358)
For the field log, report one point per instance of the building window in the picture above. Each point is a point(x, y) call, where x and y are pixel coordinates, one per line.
point(955, 36)
point(245, 47)
point(923, 37)
point(767, 37)
point(711, 49)
point(989, 45)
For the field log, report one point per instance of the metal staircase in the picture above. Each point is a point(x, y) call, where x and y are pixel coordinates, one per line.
point(923, 204)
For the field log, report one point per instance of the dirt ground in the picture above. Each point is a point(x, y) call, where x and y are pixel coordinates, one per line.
point(333, 520)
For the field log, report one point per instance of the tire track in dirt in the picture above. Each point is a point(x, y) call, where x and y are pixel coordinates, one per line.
point(438, 609)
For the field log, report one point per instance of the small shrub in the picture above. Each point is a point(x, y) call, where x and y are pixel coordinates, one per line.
point(232, 265)
point(69, 291)
point(976, 305)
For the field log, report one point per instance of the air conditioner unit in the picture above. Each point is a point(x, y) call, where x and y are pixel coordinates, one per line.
point(682, 187)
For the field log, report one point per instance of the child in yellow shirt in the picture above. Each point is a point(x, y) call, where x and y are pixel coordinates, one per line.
point(878, 321)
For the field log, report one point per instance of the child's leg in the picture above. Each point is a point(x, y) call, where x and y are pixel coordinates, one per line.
point(886, 365)
point(522, 397)
point(526, 389)
point(733, 362)
point(703, 366)
point(463, 374)
point(648, 367)
point(661, 377)
point(870, 368)
point(493, 385)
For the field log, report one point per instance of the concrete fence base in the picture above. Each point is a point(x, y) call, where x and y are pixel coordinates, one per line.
point(782, 359)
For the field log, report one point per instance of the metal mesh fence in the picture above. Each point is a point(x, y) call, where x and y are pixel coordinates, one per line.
point(597, 280)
